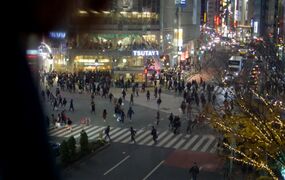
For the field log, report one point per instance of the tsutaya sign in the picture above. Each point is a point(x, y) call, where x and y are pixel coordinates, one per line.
point(146, 53)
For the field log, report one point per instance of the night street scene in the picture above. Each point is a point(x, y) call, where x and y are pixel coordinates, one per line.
point(151, 90)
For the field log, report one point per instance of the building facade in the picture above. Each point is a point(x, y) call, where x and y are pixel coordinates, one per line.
point(180, 29)
point(121, 37)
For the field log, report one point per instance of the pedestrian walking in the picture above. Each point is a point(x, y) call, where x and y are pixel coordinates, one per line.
point(71, 106)
point(92, 107)
point(132, 99)
point(158, 103)
point(69, 124)
point(157, 117)
point(107, 131)
point(176, 124)
point(183, 106)
point(155, 92)
point(104, 115)
point(148, 95)
point(122, 116)
point(154, 134)
point(133, 133)
point(124, 94)
point(159, 91)
point(130, 113)
point(111, 97)
point(194, 171)
point(189, 125)
point(137, 91)
point(64, 102)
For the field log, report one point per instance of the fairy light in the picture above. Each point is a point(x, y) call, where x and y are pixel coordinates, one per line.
point(252, 162)
point(256, 129)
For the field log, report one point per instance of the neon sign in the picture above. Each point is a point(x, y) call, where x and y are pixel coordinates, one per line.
point(145, 53)
point(57, 35)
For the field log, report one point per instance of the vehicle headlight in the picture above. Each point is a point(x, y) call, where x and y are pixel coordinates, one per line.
point(236, 73)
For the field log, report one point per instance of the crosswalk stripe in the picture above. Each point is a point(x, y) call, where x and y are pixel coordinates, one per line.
point(170, 135)
point(122, 137)
point(69, 133)
point(173, 141)
point(143, 135)
point(114, 130)
point(87, 131)
point(145, 140)
point(199, 143)
point(63, 131)
point(160, 136)
point(58, 131)
point(76, 130)
point(181, 141)
point(187, 136)
point(137, 134)
point(188, 144)
point(54, 129)
point(206, 146)
point(95, 133)
point(214, 148)
point(119, 133)
point(205, 143)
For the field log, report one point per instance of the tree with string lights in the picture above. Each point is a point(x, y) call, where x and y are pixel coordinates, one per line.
point(254, 134)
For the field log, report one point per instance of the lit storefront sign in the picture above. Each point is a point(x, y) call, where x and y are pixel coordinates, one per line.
point(32, 54)
point(32, 51)
point(255, 27)
point(57, 35)
point(181, 3)
point(178, 39)
point(145, 53)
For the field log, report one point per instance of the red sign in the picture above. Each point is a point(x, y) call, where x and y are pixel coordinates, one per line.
point(145, 71)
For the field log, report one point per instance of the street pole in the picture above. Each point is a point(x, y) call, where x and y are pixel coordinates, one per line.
point(233, 144)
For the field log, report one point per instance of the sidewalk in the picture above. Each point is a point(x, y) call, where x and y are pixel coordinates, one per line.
point(170, 103)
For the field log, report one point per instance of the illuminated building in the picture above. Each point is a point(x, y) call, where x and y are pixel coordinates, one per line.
point(180, 26)
point(119, 37)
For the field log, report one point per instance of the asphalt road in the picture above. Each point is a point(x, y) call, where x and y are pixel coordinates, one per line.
point(132, 162)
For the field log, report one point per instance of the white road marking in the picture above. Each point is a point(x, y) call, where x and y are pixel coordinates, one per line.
point(206, 146)
point(117, 165)
point(154, 169)
point(188, 144)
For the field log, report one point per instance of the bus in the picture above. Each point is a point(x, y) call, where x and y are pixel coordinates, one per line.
point(235, 65)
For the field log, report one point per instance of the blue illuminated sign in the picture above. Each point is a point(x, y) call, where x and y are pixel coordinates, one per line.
point(57, 35)
point(181, 3)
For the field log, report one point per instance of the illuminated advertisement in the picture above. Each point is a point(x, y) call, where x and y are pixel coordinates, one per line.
point(57, 35)
point(145, 53)
point(181, 3)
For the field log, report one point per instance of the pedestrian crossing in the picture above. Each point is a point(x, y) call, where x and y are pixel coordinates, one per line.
point(166, 139)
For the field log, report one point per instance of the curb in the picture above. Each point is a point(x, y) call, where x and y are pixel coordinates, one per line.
point(77, 163)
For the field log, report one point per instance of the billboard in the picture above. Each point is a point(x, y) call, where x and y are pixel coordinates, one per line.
point(181, 3)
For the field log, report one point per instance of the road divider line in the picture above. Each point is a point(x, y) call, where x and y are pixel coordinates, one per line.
point(154, 169)
point(107, 172)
